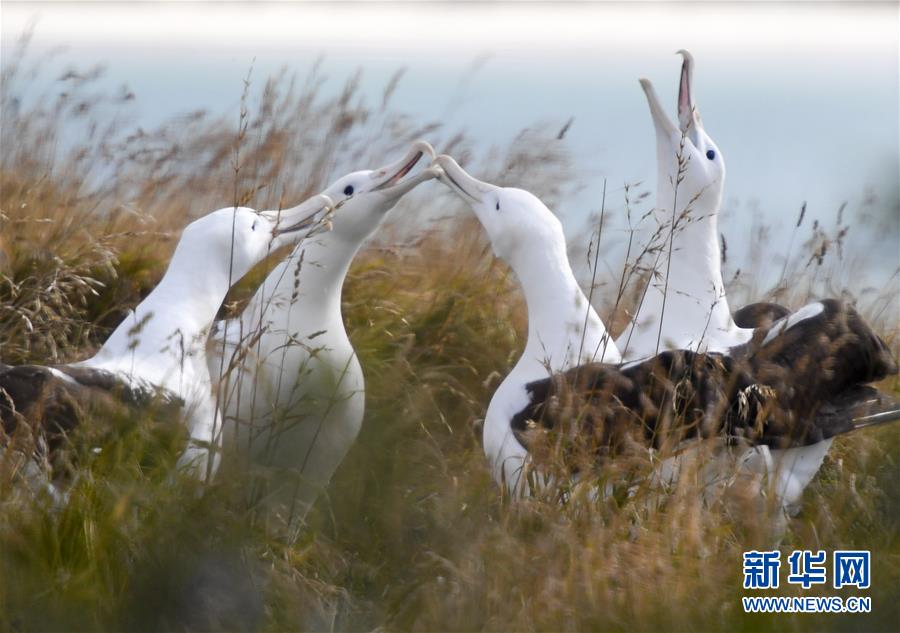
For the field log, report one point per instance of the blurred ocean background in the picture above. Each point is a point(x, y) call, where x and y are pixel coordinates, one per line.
point(802, 98)
point(100, 170)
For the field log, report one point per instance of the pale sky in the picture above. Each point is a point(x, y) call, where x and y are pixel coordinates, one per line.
point(803, 99)
point(733, 29)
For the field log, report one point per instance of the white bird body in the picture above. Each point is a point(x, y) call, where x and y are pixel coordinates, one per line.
point(161, 343)
point(685, 304)
point(297, 397)
point(564, 330)
point(569, 364)
point(691, 311)
point(159, 349)
point(298, 400)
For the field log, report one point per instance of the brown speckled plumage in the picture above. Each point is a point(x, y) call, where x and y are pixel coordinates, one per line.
point(806, 384)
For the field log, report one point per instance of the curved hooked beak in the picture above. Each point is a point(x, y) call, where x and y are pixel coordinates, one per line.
point(688, 115)
point(455, 177)
point(306, 219)
point(389, 179)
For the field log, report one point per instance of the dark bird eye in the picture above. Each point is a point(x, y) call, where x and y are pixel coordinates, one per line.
point(348, 190)
point(253, 226)
point(710, 154)
point(498, 206)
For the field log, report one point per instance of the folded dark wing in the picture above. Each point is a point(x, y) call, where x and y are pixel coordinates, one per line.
point(606, 409)
point(761, 314)
point(52, 402)
point(818, 364)
point(800, 381)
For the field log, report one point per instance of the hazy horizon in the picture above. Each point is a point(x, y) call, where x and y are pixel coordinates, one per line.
point(802, 99)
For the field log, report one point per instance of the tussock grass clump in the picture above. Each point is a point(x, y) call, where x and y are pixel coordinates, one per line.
point(412, 533)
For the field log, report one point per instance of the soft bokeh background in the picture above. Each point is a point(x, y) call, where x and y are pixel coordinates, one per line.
point(100, 171)
point(802, 98)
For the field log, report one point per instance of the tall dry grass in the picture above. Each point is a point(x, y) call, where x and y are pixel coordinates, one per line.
point(412, 533)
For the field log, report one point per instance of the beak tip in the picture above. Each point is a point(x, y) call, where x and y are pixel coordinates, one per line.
point(443, 159)
point(686, 56)
point(425, 147)
point(318, 209)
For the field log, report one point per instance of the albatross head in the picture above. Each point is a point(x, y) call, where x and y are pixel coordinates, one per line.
point(364, 197)
point(516, 221)
point(685, 147)
point(234, 239)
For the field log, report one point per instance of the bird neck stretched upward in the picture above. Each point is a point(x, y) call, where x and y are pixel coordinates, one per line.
point(689, 215)
point(685, 304)
point(305, 288)
point(563, 328)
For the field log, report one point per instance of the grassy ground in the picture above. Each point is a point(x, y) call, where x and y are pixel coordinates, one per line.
point(412, 534)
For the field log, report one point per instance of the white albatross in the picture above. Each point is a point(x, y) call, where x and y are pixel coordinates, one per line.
point(563, 329)
point(570, 378)
point(158, 352)
point(684, 305)
point(296, 395)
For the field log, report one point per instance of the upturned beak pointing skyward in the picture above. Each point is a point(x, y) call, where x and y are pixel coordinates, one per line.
point(688, 116)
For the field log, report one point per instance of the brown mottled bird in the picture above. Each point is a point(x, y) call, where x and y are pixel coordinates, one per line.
point(786, 391)
point(799, 382)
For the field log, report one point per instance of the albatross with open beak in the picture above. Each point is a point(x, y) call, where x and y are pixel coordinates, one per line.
point(684, 305)
point(291, 384)
point(569, 379)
